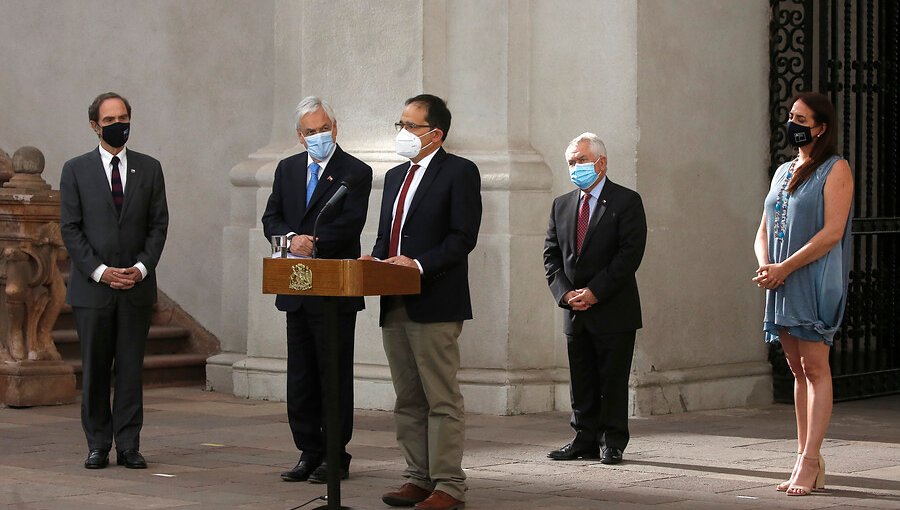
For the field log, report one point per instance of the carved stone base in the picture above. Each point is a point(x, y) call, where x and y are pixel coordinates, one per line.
point(36, 383)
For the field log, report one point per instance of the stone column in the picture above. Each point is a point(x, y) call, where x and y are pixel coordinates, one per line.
point(508, 350)
point(31, 370)
point(701, 167)
point(366, 62)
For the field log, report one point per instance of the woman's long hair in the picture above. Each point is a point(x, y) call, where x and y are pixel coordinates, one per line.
point(825, 145)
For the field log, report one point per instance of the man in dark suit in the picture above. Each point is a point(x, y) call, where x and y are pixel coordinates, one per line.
point(114, 220)
point(594, 246)
point(430, 216)
point(303, 185)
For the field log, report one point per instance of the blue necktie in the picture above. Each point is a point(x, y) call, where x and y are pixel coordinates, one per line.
point(313, 180)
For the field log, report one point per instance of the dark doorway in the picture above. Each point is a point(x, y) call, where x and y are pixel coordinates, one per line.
point(850, 50)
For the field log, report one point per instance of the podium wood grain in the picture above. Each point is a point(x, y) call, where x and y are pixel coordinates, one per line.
point(347, 277)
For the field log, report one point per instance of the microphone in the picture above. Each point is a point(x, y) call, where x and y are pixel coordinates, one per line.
point(346, 185)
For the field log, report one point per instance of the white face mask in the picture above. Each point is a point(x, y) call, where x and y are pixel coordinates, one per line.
point(408, 145)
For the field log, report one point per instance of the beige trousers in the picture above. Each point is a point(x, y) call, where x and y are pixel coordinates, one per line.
point(429, 413)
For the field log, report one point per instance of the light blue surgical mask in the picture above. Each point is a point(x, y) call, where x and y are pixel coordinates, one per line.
point(583, 175)
point(320, 145)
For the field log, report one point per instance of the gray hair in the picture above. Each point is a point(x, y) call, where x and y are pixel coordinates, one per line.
point(594, 141)
point(311, 104)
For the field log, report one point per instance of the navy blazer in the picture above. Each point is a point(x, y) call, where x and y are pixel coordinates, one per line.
point(339, 230)
point(611, 254)
point(440, 230)
point(95, 233)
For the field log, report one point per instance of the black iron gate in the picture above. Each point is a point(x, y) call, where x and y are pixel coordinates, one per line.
point(850, 50)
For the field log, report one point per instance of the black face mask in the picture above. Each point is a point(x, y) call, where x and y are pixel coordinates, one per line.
point(116, 134)
point(797, 135)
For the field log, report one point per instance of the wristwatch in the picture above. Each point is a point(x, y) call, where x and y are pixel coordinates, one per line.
point(289, 237)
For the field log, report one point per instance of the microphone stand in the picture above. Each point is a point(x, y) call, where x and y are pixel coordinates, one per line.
point(338, 195)
point(332, 380)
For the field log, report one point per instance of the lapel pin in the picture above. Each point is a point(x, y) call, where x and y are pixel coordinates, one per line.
point(132, 170)
point(329, 179)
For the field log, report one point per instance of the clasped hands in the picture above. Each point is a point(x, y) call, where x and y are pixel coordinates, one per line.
point(580, 299)
point(771, 276)
point(121, 278)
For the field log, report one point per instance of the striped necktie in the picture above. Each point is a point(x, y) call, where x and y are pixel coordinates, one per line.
point(118, 192)
point(584, 218)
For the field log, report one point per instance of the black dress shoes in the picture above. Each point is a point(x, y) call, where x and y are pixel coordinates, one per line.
point(132, 459)
point(320, 475)
point(300, 472)
point(97, 459)
point(572, 452)
point(611, 456)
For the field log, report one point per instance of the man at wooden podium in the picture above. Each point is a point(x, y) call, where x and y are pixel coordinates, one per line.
point(303, 184)
point(430, 217)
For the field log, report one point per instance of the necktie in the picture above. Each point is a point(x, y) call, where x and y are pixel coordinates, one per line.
point(313, 180)
point(398, 214)
point(584, 217)
point(118, 192)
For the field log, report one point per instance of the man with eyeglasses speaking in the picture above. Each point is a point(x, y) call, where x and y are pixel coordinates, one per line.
point(430, 216)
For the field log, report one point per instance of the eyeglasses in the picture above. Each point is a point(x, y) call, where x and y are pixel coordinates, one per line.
point(409, 126)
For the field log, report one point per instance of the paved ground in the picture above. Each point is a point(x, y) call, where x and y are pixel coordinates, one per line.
point(213, 451)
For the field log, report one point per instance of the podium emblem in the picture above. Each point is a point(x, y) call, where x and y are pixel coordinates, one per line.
point(301, 277)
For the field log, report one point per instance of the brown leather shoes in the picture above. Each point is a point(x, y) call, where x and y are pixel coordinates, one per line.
point(440, 500)
point(408, 495)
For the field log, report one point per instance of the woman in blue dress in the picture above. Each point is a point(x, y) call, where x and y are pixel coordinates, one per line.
point(803, 251)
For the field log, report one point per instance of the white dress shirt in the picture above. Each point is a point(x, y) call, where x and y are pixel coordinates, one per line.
point(106, 158)
point(594, 196)
point(322, 164)
point(410, 193)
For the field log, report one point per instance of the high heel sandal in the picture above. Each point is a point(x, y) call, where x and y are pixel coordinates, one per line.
point(819, 483)
point(785, 485)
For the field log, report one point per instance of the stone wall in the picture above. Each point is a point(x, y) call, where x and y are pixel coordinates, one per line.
point(199, 77)
point(677, 89)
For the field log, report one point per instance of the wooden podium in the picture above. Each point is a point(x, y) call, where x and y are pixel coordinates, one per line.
point(332, 278)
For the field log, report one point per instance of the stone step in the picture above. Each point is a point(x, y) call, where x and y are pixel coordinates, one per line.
point(160, 340)
point(65, 320)
point(168, 356)
point(161, 370)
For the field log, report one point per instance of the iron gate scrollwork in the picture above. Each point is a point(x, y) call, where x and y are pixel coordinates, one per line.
point(850, 50)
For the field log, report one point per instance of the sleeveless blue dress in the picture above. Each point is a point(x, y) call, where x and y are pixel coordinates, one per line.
point(810, 304)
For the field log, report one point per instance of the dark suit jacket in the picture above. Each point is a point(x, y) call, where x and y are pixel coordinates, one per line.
point(610, 256)
point(441, 229)
point(94, 233)
point(339, 229)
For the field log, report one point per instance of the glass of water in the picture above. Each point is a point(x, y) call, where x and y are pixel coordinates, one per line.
point(279, 247)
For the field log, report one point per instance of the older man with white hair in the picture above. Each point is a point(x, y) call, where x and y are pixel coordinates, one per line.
point(594, 246)
point(303, 184)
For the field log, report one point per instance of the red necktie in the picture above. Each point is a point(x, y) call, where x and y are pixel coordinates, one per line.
point(584, 217)
point(398, 214)
point(118, 194)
